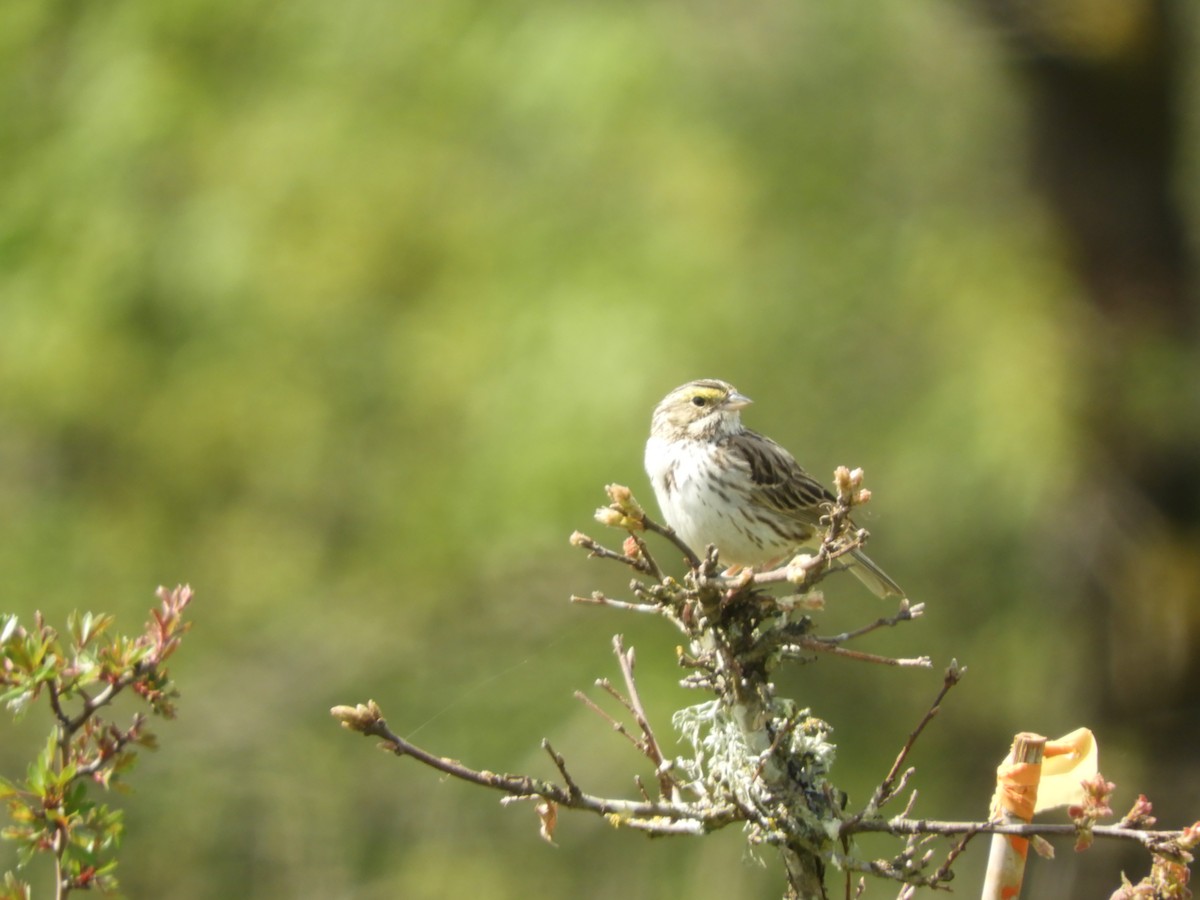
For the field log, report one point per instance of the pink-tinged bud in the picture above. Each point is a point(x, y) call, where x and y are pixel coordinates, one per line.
point(1097, 792)
point(856, 478)
point(1190, 837)
point(1141, 814)
point(863, 496)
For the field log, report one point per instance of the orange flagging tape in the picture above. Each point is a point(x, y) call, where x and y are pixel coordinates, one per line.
point(1023, 789)
point(1016, 789)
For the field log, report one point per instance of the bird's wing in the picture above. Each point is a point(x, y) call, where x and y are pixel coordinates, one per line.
point(778, 481)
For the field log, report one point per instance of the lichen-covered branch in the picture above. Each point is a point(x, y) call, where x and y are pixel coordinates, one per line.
point(754, 757)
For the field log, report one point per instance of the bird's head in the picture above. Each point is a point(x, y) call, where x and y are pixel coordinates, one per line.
point(699, 410)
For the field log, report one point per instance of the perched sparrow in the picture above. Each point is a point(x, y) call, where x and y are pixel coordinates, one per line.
point(719, 483)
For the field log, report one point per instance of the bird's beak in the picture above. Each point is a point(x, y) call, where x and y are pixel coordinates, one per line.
point(736, 401)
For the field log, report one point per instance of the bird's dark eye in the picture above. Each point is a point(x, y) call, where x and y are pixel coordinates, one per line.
point(698, 401)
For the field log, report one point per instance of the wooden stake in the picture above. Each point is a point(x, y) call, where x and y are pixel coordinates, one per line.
point(1016, 794)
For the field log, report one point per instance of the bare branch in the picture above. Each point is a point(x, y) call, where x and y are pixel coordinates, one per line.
point(658, 816)
point(906, 613)
point(598, 599)
point(1161, 842)
point(649, 743)
point(819, 646)
point(598, 550)
point(561, 765)
point(693, 560)
point(888, 788)
point(616, 724)
point(655, 572)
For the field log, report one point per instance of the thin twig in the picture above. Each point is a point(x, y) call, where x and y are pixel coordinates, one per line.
point(657, 816)
point(693, 560)
point(561, 765)
point(598, 550)
point(819, 646)
point(943, 871)
point(649, 745)
point(598, 599)
point(906, 613)
point(92, 704)
point(616, 724)
point(887, 788)
point(56, 704)
point(782, 574)
point(1155, 841)
point(120, 742)
point(655, 571)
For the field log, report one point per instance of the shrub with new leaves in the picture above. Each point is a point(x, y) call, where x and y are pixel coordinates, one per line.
point(52, 810)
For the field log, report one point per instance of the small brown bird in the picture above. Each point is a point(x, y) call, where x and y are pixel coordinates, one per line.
point(720, 483)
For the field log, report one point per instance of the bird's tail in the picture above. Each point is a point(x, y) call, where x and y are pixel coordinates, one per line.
point(874, 577)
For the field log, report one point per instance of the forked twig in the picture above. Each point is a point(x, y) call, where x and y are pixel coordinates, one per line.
point(598, 550)
point(890, 785)
point(648, 744)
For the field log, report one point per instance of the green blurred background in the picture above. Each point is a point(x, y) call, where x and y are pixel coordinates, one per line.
point(345, 313)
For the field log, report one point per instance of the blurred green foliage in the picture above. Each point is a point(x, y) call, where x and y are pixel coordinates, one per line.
point(345, 313)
